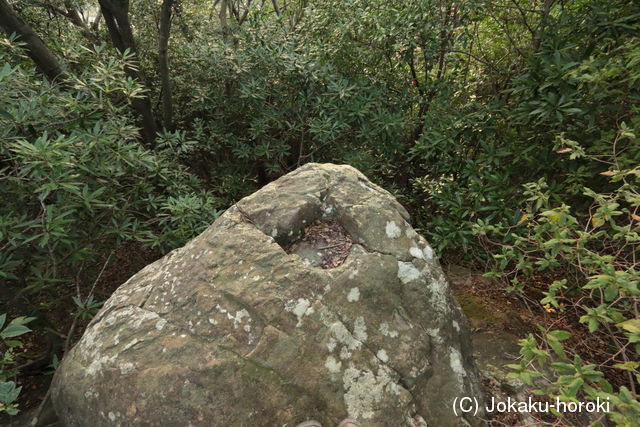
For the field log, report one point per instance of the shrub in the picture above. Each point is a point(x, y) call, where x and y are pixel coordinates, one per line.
point(8, 391)
point(597, 250)
point(76, 182)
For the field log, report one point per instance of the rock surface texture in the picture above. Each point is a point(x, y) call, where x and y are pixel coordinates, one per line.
point(232, 330)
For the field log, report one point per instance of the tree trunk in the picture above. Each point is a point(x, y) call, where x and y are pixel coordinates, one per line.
point(74, 17)
point(276, 8)
point(116, 17)
point(45, 60)
point(163, 58)
point(544, 19)
point(224, 25)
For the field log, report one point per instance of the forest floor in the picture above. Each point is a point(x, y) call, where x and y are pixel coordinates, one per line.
point(497, 318)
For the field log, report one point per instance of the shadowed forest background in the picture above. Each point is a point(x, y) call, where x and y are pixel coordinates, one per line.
point(508, 128)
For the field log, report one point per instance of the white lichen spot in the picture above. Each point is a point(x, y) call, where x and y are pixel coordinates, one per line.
point(354, 295)
point(247, 328)
point(353, 274)
point(416, 253)
point(360, 329)
point(331, 344)
point(160, 324)
point(382, 355)
point(239, 316)
point(438, 296)
point(333, 365)
point(343, 336)
point(407, 272)
point(125, 368)
point(256, 278)
point(112, 416)
point(434, 333)
point(97, 364)
point(274, 232)
point(251, 339)
point(456, 326)
point(410, 233)
point(142, 317)
point(455, 361)
point(300, 308)
point(213, 321)
point(392, 230)
point(364, 391)
point(345, 353)
point(428, 252)
point(384, 330)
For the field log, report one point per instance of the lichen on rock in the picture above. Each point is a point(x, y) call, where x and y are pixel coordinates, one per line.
point(243, 326)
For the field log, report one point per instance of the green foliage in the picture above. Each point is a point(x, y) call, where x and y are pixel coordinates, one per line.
point(561, 194)
point(8, 391)
point(87, 309)
point(571, 93)
point(76, 181)
point(597, 248)
point(8, 395)
point(507, 129)
point(270, 104)
point(570, 380)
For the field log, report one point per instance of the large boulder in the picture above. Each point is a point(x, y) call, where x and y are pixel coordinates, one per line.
point(241, 327)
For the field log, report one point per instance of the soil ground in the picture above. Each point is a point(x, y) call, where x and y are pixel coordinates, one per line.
point(498, 320)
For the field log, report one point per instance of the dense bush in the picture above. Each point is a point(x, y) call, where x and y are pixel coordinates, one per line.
point(579, 103)
point(507, 128)
point(9, 332)
point(597, 250)
point(271, 105)
point(577, 85)
point(76, 182)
